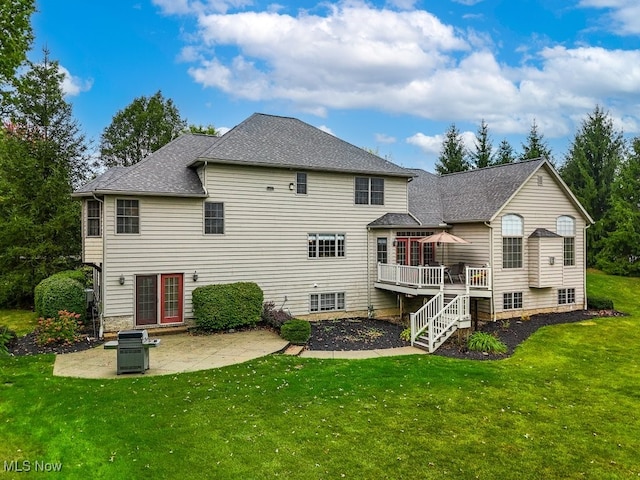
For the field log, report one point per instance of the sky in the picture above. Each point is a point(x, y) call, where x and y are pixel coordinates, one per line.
point(391, 76)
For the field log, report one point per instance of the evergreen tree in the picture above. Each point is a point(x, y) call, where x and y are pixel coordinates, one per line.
point(482, 156)
point(453, 153)
point(535, 147)
point(42, 153)
point(620, 252)
point(139, 130)
point(589, 170)
point(505, 153)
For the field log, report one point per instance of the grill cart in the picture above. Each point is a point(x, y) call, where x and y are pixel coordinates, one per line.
point(133, 350)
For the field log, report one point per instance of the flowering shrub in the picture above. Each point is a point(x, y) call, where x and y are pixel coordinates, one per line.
point(65, 329)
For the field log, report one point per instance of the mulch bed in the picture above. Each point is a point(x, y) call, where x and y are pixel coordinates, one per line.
point(27, 345)
point(370, 334)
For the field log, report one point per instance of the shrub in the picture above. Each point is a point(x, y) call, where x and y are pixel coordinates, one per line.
point(6, 337)
point(406, 335)
point(274, 317)
point(599, 303)
point(62, 291)
point(64, 328)
point(296, 331)
point(224, 306)
point(484, 342)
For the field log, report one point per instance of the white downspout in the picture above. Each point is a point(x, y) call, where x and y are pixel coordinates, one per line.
point(104, 264)
point(584, 265)
point(492, 313)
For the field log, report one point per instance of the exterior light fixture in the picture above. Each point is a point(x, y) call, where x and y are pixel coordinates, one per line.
point(291, 186)
point(195, 276)
point(121, 279)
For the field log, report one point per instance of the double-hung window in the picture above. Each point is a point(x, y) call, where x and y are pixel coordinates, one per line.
point(127, 216)
point(93, 218)
point(369, 191)
point(301, 183)
point(382, 251)
point(326, 302)
point(512, 233)
point(213, 218)
point(322, 245)
point(566, 227)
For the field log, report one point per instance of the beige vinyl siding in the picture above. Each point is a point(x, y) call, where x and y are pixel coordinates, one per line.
point(539, 206)
point(91, 246)
point(475, 254)
point(264, 240)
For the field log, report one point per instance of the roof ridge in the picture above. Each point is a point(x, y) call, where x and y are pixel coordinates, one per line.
point(501, 165)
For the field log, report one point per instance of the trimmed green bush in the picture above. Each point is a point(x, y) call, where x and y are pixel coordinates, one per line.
point(62, 291)
point(599, 303)
point(485, 342)
point(224, 306)
point(296, 331)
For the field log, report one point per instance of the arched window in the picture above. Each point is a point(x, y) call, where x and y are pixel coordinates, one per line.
point(566, 227)
point(512, 233)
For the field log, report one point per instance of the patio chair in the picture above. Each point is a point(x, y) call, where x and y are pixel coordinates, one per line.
point(457, 270)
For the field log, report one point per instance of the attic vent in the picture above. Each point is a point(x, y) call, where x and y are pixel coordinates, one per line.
point(540, 180)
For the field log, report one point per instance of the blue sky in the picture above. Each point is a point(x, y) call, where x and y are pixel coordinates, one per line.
point(391, 76)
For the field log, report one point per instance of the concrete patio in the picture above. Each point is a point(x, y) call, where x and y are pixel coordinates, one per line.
point(182, 352)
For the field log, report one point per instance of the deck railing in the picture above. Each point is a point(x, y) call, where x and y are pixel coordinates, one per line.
point(424, 277)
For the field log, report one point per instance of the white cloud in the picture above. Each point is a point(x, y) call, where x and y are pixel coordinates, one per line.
point(71, 85)
point(326, 129)
point(624, 15)
point(430, 144)
point(355, 56)
point(384, 138)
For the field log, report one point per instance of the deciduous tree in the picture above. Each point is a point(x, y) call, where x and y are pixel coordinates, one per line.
point(140, 129)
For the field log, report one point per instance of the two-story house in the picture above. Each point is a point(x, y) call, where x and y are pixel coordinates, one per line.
point(326, 229)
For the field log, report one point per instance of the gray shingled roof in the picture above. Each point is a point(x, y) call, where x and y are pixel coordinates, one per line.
point(477, 195)
point(472, 196)
point(165, 172)
point(389, 220)
point(543, 233)
point(290, 143)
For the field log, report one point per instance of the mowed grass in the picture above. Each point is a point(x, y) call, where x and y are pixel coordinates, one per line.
point(20, 321)
point(566, 405)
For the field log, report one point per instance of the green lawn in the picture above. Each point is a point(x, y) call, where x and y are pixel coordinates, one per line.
point(566, 405)
point(20, 321)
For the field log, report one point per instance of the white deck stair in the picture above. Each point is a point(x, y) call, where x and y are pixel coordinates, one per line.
point(437, 319)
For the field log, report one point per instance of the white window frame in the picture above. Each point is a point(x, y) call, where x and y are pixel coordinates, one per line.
point(300, 184)
point(566, 296)
point(317, 250)
point(327, 302)
point(512, 301)
point(118, 216)
point(377, 195)
point(91, 219)
point(212, 219)
point(566, 227)
point(513, 234)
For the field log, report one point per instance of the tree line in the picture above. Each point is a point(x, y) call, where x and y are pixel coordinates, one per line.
point(44, 156)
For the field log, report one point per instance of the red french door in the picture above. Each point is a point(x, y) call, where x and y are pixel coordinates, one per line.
point(409, 251)
point(171, 301)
